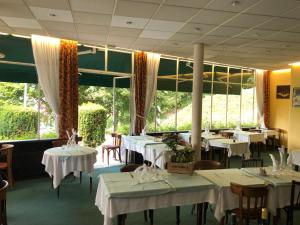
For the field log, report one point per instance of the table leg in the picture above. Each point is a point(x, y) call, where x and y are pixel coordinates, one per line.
point(177, 215)
point(126, 156)
point(58, 190)
point(91, 185)
point(199, 213)
point(80, 177)
point(121, 219)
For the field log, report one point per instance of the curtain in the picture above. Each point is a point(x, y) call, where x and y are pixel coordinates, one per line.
point(153, 60)
point(259, 80)
point(46, 57)
point(266, 98)
point(68, 87)
point(139, 92)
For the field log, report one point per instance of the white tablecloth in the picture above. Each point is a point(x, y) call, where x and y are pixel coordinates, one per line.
point(110, 207)
point(61, 161)
point(294, 156)
point(250, 137)
point(240, 148)
point(148, 147)
point(210, 135)
point(268, 133)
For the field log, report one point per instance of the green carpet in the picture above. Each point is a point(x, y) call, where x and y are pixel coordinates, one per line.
point(34, 202)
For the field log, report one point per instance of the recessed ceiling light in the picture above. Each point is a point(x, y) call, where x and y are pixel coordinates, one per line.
point(197, 29)
point(235, 3)
point(52, 14)
point(129, 22)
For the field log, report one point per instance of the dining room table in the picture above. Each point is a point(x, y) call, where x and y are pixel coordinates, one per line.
point(61, 161)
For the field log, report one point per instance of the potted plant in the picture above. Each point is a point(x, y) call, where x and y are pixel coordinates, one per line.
point(181, 160)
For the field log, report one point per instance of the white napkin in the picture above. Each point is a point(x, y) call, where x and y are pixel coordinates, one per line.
point(275, 163)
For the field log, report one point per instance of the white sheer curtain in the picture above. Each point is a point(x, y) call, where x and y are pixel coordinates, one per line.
point(46, 57)
point(259, 81)
point(153, 60)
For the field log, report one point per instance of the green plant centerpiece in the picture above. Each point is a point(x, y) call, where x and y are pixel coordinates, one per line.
point(182, 158)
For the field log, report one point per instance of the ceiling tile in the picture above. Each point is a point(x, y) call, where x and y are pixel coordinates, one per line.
point(142, 47)
point(58, 26)
point(256, 34)
point(188, 3)
point(126, 32)
point(2, 23)
point(52, 14)
point(12, 1)
point(285, 36)
point(24, 31)
point(175, 13)
point(212, 17)
point(53, 4)
point(149, 1)
point(129, 22)
point(273, 7)
point(163, 25)
point(5, 29)
point(154, 34)
point(294, 13)
point(227, 31)
point(294, 29)
point(92, 37)
point(196, 28)
point(279, 24)
point(227, 5)
point(247, 20)
point(237, 41)
point(61, 34)
point(211, 40)
point(148, 42)
point(185, 37)
point(15, 10)
point(121, 39)
point(21, 22)
point(94, 6)
point(92, 29)
point(91, 18)
point(135, 9)
point(176, 44)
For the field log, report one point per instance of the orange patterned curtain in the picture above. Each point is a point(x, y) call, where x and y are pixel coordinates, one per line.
point(68, 87)
point(267, 98)
point(140, 83)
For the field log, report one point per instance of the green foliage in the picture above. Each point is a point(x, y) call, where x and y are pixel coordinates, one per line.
point(171, 140)
point(17, 122)
point(183, 156)
point(92, 124)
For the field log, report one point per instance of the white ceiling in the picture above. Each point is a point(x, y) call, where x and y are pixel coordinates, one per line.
point(254, 33)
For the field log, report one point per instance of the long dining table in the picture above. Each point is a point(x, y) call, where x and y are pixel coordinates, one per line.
point(122, 193)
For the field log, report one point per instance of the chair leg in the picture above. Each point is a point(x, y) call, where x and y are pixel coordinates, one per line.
point(80, 177)
point(145, 215)
point(102, 154)
point(58, 190)
point(108, 157)
point(151, 216)
point(10, 177)
point(119, 152)
point(91, 185)
point(205, 207)
point(193, 209)
point(3, 211)
point(126, 156)
point(199, 213)
point(177, 215)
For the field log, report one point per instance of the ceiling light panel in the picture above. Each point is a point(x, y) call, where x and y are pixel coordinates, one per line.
point(174, 13)
point(93, 6)
point(53, 4)
point(21, 22)
point(156, 34)
point(162, 25)
point(129, 22)
point(135, 9)
point(231, 5)
point(52, 14)
point(91, 18)
point(212, 17)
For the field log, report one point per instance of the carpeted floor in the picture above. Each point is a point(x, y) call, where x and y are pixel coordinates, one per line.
point(34, 202)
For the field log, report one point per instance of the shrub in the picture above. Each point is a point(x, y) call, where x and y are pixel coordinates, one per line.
point(18, 122)
point(92, 124)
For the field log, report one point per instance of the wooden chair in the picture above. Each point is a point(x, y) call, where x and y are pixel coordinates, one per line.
point(131, 168)
point(3, 219)
point(59, 142)
point(115, 147)
point(254, 162)
point(252, 199)
point(6, 151)
point(294, 202)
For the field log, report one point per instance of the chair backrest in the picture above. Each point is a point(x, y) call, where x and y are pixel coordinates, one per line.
point(254, 162)
point(129, 167)
point(295, 195)
point(117, 138)
point(207, 165)
point(227, 134)
point(252, 199)
point(59, 142)
point(6, 150)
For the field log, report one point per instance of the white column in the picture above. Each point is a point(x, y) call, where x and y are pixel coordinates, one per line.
point(197, 98)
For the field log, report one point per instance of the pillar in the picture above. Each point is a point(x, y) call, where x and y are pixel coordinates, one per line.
point(197, 98)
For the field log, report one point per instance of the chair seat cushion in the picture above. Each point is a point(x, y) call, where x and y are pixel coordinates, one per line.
point(3, 165)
